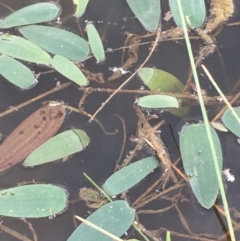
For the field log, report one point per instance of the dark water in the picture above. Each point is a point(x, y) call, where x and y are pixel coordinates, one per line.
point(99, 159)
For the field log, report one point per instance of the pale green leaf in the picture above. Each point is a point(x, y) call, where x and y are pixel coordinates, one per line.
point(17, 73)
point(231, 122)
point(69, 70)
point(35, 13)
point(160, 80)
point(193, 11)
point(168, 236)
point(57, 41)
point(219, 126)
point(23, 49)
point(115, 217)
point(59, 146)
point(81, 6)
point(95, 43)
point(198, 162)
point(33, 201)
point(129, 176)
point(148, 13)
point(158, 101)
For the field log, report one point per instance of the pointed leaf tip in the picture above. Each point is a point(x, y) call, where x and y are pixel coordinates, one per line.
point(198, 162)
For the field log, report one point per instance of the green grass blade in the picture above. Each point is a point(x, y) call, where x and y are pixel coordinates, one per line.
point(219, 175)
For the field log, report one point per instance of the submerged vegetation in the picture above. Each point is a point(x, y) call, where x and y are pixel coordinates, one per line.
point(44, 45)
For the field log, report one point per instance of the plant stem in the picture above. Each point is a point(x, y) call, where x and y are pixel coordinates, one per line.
point(206, 122)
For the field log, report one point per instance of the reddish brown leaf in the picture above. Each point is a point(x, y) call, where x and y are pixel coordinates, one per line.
point(31, 133)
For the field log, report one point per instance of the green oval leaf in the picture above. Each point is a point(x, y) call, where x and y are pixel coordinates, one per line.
point(198, 162)
point(147, 12)
point(158, 101)
point(95, 43)
point(194, 12)
point(69, 70)
point(115, 217)
point(231, 122)
point(35, 13)
point(33, 201)
point(81, 6)
point(57, 41)
point(59, 146)
point(160, 80)
point(21, 48)
point(17, 73)
point(129, 176)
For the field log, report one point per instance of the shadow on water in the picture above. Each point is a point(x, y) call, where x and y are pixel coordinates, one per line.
point(177, 210)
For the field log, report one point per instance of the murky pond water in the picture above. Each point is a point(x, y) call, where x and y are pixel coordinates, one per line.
point(175, 209)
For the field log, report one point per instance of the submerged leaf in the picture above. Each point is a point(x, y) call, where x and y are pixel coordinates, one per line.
point(148, 13)
point(231, 122)
point(158, 101)
point(129, 176)
point(59, 146)
point(31, 133)
point(17, 73)
point(194, 12)
point(57, 41)
point(95, 43)
point(160, 80)
point(35, 13)
point(33, 201)
point(21, 48)
point(115, 217)
point(69, 70)
point(199, 164)
point(81, 6)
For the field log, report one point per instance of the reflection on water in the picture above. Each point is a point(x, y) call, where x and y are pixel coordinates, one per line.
point(176, 209)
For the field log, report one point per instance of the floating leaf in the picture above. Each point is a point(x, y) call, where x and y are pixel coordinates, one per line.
point(95, 43)
point(115, 217)
point(129, 176)
point(30, 134)
point(69, 70)
point(17, 73)
point(194, 12)
point(21, 48)
point(198, 162)
point(35, 13)
point(147, 12)
point(81, 6)
point(160, 80)
point(59, 146)
point(230, 121)
point(158, 101)
point(57, 41)
point(33, 201)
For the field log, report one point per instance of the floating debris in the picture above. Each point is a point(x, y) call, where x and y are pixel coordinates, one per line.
point(31, 133)
point(221, 11)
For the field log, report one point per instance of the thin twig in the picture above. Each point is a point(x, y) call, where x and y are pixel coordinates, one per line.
point(17, 107)
point(125, 82)
point(14, 233)
point(208, 100)
point(35, 237)
point(158, 195)
point(124, 141)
